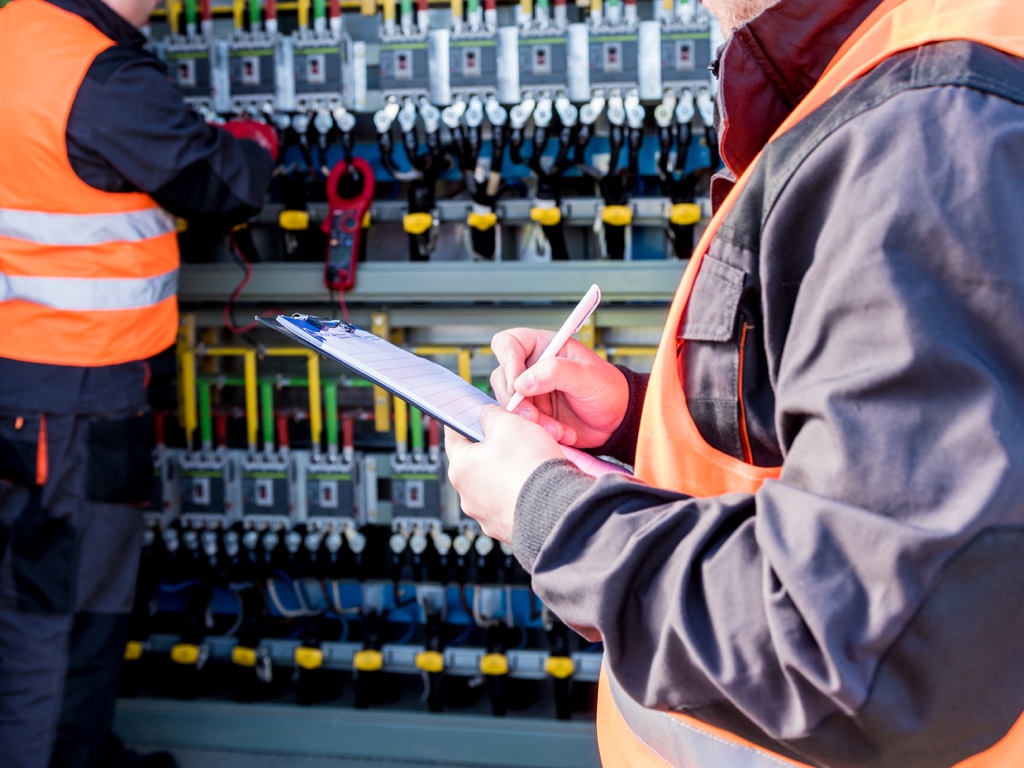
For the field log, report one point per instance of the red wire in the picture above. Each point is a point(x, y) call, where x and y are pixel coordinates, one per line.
point(158, 427)
point(344, 308)
point(270, 9)
point(347, 433)
point(221, 426)
point(226, 316)
point(282, 430)
point(206, 12)
point(335, 9)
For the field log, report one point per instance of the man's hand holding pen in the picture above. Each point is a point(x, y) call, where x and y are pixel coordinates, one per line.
point(574, 398)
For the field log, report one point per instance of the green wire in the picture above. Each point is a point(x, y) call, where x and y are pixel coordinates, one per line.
point(416, 428)
point(474, 5)
point(319, 9)
point(190, 12)
point(205, 415)
point(406, 7)
point(331, 418)
point(255, 13)
point(267, 408)
point(542, 3)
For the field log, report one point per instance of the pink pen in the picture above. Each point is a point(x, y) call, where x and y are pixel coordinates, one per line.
point(572, 324)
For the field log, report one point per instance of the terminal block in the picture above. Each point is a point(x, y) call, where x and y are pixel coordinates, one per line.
point(685, 52)
point(333, 488)
point(313, 70)
point(415, 488)
point(189, 65)
point(543, 63)
point(253, 71)
point(268, 487)
point(404, 64)
point(165, 501)
point(209, 483)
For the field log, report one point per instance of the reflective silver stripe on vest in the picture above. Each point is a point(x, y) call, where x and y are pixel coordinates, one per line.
point(85, 294)
point(74, 229)
point(680, 744)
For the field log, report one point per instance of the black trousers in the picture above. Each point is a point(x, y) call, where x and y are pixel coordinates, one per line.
point(71, 488)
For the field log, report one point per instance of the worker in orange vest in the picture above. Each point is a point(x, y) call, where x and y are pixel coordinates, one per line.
point(820, 558)
point(99, 154)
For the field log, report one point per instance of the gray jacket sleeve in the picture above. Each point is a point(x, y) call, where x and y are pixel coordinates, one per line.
point(836, 599)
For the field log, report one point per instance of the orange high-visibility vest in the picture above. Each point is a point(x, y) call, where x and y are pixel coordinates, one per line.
point(679, 458)
point(87, 277)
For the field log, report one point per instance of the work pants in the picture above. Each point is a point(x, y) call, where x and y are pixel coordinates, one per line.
point(71, 488)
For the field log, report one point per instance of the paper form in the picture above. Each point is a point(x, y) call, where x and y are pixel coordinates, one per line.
point(432, 388)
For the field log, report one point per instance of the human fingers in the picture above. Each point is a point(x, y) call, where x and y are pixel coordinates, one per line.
point(515, 350)
point(569, 375)
point(454, 442)
point(489, 475)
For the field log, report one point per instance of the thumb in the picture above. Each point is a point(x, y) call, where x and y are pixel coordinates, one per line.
point(491, 416)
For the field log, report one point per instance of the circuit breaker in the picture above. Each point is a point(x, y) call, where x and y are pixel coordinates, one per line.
point(209, 486)
point(333, 488)
point(267, 486)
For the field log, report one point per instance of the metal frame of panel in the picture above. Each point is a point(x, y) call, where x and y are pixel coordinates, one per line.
point(453, 739)
point(399, 282)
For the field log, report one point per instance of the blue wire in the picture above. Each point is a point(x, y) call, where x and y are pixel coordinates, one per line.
point(344, 627)
point(523, 638)
point(463, 637)
point(408, 635)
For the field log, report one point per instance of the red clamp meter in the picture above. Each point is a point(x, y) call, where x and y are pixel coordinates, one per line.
point(349, 195)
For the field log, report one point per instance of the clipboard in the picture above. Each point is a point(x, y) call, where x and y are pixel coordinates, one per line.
point(435, 390)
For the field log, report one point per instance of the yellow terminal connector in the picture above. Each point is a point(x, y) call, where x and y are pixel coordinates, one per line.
point(368, 661)
point(133, 650)
point(185, 654)
point(547, 217)
point(417, 223)
point(309, 658)
point(294, 221)
point(482, 221)
point(617, 215)
point(430, 661)
point(182, 225)
point(684, 214)
point(494, 664)
point(559, 667)
point(243, 657)
point(366, 220)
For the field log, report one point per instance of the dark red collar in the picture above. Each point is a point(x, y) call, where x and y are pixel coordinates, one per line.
point(771, 63)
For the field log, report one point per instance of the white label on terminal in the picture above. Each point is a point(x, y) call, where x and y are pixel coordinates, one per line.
point(329, 494)
point(201, 490)
point(250, 70)
point(316, 68)
point(414, 494)
point(263, 489)
point(186, 73)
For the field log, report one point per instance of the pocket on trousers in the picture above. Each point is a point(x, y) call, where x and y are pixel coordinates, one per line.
point(19, 448)
point(120, 459)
